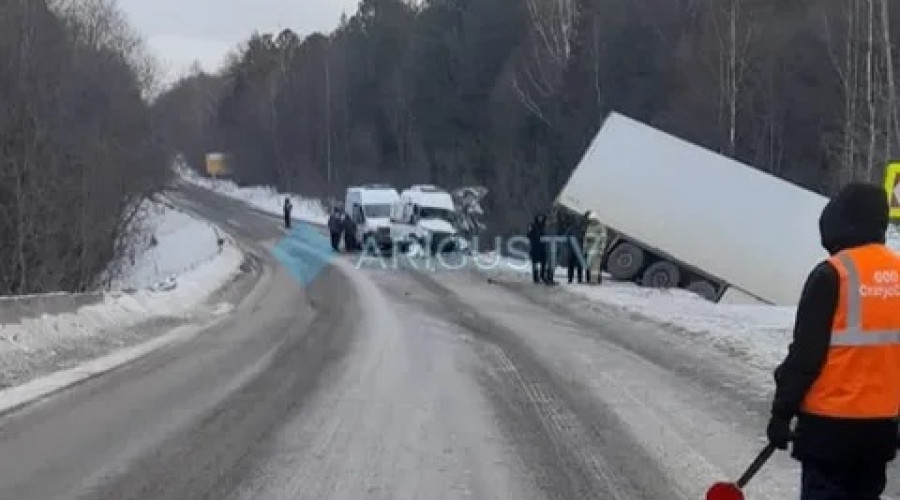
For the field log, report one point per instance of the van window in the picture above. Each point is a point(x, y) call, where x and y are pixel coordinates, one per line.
point(436, 213)
point(378, 211)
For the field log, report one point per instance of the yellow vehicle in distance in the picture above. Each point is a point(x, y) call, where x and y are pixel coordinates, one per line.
point(217, 165)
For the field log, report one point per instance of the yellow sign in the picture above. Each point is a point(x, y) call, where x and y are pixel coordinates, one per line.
point(892, 188)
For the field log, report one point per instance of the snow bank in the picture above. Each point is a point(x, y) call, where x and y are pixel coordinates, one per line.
point(264, 198)
point(172, 243)
point(172, 279)
point(759, 333)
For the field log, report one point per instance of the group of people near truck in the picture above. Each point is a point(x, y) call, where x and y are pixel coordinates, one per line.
point(341, 226)
point(577, 242)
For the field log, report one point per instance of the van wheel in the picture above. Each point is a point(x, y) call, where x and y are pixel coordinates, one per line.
point(661, 274)
point(704, 289)
point(625, 261)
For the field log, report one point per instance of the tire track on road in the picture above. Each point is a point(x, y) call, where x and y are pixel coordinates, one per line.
point(562, 433)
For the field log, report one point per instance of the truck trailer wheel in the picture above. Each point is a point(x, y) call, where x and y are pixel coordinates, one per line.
point(704, 289)
point(625, 261)
point(661, 274)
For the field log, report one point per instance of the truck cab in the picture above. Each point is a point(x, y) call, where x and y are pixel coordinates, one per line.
point(369, 207)
point(425, 215)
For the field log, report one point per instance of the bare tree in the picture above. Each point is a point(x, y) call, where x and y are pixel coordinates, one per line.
point(552, 30)
point(733, 32)
point(77, 153)
point(867, 77)
point(870, 88)
point(842, 47)
point(892, 125)
point(101, 25)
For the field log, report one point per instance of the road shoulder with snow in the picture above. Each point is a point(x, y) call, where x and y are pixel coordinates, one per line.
point(179, 276)
point(265, 199)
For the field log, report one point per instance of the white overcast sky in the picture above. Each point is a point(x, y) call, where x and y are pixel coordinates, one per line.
point(180, 32)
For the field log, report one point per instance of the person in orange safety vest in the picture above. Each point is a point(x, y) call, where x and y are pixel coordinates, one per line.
point(841, 376)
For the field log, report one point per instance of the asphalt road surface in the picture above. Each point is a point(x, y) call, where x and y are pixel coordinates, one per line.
point(392, 383)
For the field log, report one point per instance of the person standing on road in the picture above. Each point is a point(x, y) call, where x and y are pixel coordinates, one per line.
point(288, 206)
point(841, 376)
point(335, 229)
point(555, 238)
point(349, 227)
point(560, 244)
point(575, 249)
point(536, 250)
point(594, 245)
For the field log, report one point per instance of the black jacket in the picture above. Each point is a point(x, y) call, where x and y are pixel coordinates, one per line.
point(348, 226)
point(857, 216)
point(536, 249)
point(555, 242)
point(576, 235)
point(335, 223)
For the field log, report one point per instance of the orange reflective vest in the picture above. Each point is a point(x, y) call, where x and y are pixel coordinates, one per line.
point(861, 375)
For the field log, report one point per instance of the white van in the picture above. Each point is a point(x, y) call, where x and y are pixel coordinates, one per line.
point(369, 207)
point(425, 215)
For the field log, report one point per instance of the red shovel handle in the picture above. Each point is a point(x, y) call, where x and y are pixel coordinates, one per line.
point(732, 491)
point(757, 464)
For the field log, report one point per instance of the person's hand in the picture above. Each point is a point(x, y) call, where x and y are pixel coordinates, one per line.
point(779, 431)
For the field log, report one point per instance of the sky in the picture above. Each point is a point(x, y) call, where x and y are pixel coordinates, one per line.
point(180, 32)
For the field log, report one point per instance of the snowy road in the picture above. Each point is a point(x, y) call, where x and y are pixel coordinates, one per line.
point(397, 384)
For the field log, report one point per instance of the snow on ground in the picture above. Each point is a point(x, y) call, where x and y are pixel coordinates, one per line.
point(173, 279)
point(760, 333)
point(264, 198)
point(172, 244)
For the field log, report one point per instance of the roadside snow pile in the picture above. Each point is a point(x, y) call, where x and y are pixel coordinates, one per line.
point(172, 244)
point(186, 260)
point(265, 198)
point(759, 333)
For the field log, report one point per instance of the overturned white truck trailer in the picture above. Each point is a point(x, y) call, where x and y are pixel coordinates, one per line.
point(679, 215)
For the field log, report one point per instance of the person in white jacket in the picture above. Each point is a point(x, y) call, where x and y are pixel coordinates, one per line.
point(594, 245)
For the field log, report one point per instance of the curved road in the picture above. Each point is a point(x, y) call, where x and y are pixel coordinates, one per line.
point(386, 383)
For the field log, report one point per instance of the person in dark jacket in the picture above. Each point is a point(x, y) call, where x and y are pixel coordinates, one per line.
point(349, 227)
point(553, 237)
point(575, 255)
point(536, 249)
point(288, 206)
point(335, 223)
point(842, 458)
